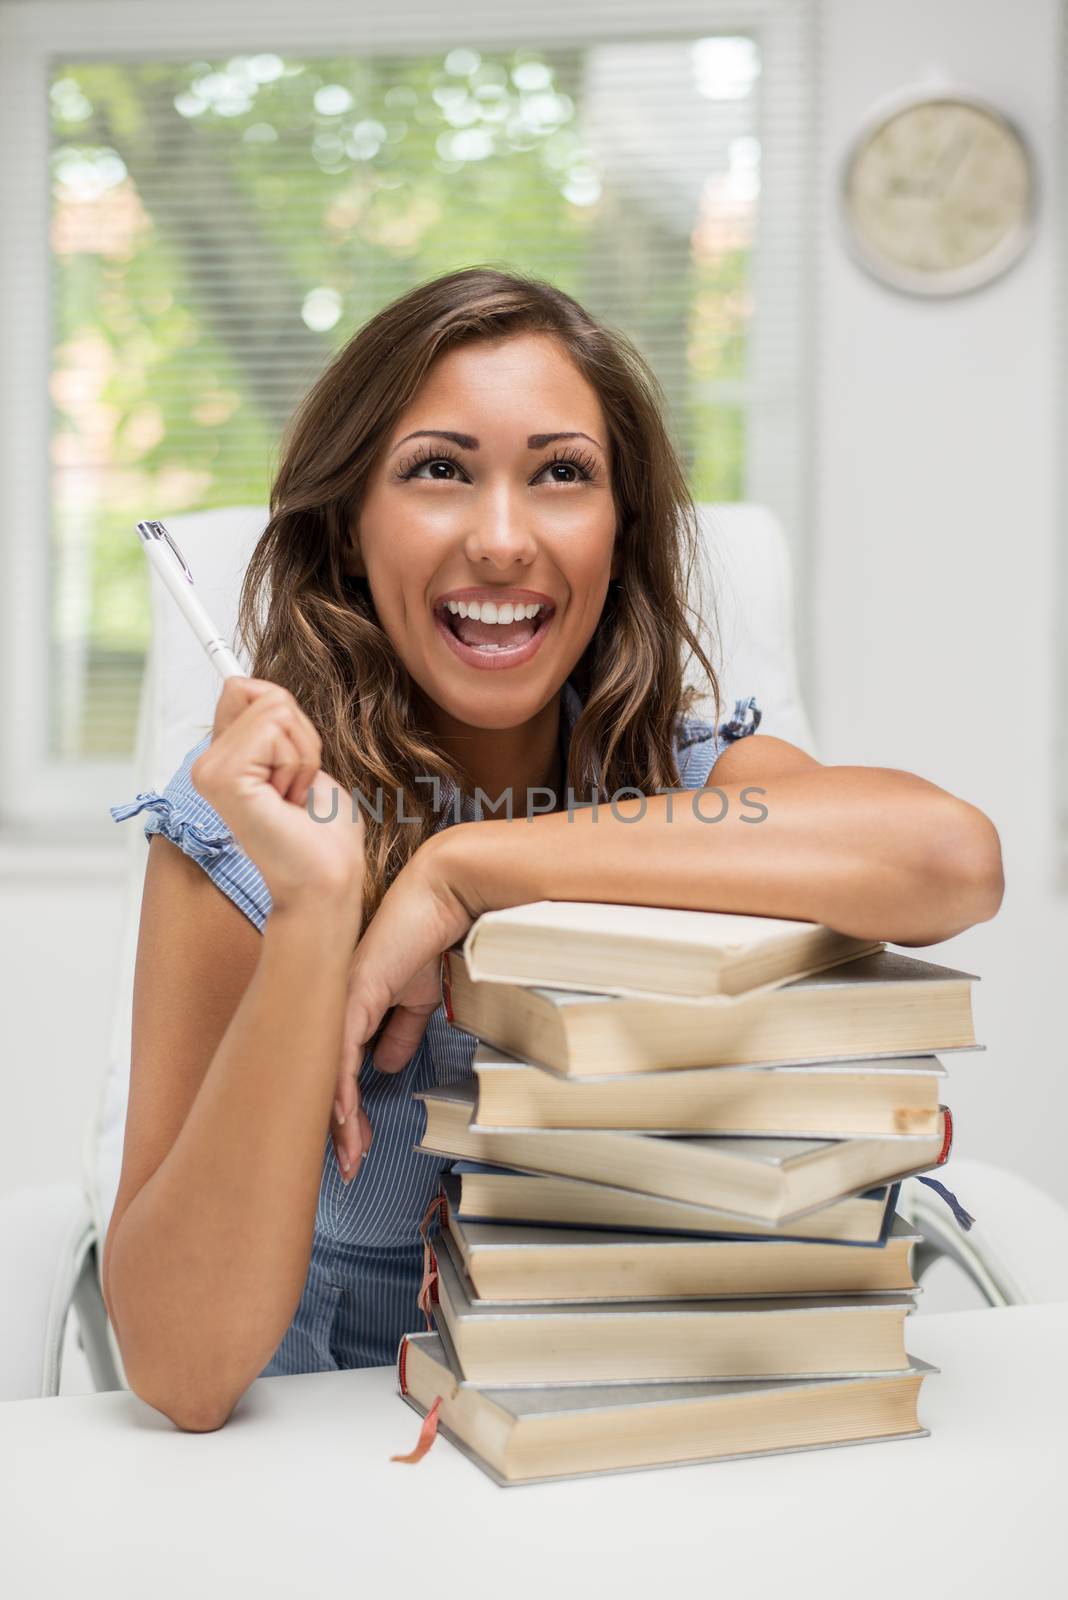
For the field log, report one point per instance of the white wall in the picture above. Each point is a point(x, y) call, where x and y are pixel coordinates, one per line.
point(59, 934)
point(937, 546)
point(935, 629)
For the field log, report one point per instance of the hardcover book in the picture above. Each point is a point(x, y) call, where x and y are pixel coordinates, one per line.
point(542, 1434)
point(896, 1095)
point(656, 950)
point(886, 1004)
point(631, 1341)
point(772, 1180)
point(516, 1262)
point(491, 1193)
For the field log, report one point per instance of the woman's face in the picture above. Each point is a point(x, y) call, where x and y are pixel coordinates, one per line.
point(499, 512)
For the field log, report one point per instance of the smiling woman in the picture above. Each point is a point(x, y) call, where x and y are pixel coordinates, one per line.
point(482, 439)
point(481, 445)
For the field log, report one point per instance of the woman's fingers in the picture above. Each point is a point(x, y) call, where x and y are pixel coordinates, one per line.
point(298, 745)
point(350, 1129)
point(347, 1127)
point(352, 1140)
point(288, 762)
point(260, 731)
point(370, 997)
point(399, 1039)
point(353, 1040)
point(394, 984)
point(236, 695)
point(397, 1043)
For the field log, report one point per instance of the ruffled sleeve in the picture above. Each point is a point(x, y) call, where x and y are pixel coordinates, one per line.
point(699, 746)
point(183, 815)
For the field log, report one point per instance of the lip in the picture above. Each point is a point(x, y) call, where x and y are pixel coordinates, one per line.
point(493, 660)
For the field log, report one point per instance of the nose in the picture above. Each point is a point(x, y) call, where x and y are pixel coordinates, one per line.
point(500, 530)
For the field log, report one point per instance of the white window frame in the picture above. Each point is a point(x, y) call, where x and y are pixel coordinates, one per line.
point(37, 790)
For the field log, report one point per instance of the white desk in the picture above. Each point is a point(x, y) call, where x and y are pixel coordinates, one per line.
point(101, 1496)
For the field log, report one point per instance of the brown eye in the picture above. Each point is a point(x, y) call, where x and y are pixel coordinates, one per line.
point(578, 462)
point(425, 458)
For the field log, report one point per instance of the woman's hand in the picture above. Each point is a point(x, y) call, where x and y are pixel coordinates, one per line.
point(397, 963)
point(258, 772)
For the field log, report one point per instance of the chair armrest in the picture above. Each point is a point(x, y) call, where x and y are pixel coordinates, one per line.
point(1017, 1251)
point(46, 1232)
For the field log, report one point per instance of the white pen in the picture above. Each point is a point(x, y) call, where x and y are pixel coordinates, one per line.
point(174, 570)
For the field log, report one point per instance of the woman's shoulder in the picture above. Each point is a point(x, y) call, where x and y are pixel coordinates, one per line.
point(699, 745)
point(180, 812)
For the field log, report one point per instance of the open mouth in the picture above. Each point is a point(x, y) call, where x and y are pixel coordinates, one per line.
point(493, 644)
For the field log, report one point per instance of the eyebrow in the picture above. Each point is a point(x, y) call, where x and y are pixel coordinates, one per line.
point(467, 441)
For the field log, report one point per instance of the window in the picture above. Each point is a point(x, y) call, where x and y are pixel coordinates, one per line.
point(218, 220)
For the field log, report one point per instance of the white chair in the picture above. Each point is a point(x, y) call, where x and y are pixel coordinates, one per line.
point(1017, 1251)
point(52, 1235)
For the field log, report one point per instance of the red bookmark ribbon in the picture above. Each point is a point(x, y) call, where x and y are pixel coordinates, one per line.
point(427, 1434)
point(428, 1289)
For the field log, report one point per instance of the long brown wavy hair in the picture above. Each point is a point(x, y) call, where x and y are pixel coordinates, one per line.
point(310, 625)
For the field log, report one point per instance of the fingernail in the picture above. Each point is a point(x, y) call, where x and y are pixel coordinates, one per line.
point(339, 1114)
point(342, 1158)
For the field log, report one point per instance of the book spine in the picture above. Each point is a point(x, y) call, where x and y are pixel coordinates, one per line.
point(428, 1431)
point(402, 1364)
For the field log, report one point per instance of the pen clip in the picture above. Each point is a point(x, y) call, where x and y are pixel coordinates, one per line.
point(156, 530)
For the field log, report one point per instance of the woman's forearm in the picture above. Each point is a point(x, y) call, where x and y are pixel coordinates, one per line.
point(209, 1261)
point(872, 852)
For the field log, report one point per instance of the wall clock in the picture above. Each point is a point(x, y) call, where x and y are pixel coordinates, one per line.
point(938, 192)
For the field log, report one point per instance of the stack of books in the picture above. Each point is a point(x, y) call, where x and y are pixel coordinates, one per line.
point(668, 1232)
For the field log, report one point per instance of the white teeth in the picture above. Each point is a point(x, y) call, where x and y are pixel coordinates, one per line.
point(489, 611)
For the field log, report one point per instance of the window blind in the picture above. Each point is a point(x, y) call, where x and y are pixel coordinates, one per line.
point(222, 220)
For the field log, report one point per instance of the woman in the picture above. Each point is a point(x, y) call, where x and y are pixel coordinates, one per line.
point(480, 440)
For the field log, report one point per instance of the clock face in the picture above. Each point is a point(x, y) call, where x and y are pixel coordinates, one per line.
point(938, 196)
